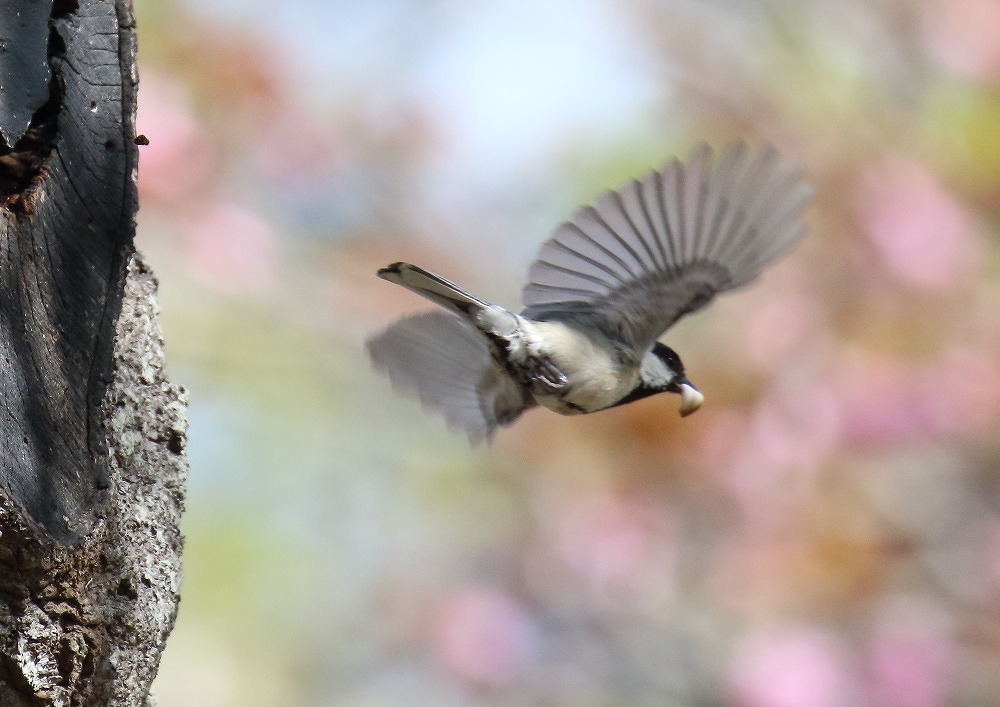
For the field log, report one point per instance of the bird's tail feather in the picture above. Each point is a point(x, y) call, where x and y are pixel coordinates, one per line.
point(433, 287)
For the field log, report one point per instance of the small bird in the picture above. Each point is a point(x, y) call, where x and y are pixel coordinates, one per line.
point(609, 282)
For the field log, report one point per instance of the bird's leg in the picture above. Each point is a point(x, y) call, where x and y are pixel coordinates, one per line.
point(544, 373)
point(506, 330)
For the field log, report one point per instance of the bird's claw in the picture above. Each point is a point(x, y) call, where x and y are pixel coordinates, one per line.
point(544, 373)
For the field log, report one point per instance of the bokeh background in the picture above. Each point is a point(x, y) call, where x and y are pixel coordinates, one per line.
point(824, 532)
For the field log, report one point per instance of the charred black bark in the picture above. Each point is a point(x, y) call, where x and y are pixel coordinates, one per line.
point(92, 434)
point(66, 232)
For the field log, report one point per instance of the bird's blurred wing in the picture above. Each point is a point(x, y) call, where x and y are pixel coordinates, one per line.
point(449, 366)
point(665, 245)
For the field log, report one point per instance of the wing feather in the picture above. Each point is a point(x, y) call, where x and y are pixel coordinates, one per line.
point(670, 210)
point(693, 180)
point(663, 246)
point(632, 203)
point(448, 365)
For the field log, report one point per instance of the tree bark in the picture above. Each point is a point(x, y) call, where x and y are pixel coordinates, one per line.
point(92, 435)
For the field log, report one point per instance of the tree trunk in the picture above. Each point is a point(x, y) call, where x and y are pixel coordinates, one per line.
point(92, 434)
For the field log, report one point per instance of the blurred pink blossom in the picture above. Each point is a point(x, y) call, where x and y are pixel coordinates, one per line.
point(614, 543)
point(962, 392)
point(886, 400)
point(768, 456)
point(723, 435)
point(992, 554)
point(923, 233)
point(964, 35)
point(233, 250)
point(484, 636)
point(881, 401)
point(795, 425)
point(179, 155)
point(295, 149)
point(791, 667)
point(778, 328)
point(911, 661)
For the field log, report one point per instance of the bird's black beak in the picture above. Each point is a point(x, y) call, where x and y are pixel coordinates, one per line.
point(691, 399)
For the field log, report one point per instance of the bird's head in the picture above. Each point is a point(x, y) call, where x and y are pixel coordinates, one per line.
point(663, 371)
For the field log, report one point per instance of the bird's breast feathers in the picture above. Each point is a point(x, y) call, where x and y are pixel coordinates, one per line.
point(596, 378)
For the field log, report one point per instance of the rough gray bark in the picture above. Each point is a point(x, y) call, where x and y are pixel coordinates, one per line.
point(85, 624)
point(92, 433)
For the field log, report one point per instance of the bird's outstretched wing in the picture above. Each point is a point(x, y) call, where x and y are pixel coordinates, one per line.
point(449, 366)
point(665, 245)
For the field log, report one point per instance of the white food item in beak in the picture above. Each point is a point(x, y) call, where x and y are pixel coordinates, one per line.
point(691, 399)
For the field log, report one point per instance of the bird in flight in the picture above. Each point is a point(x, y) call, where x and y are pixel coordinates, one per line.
point(602, 291)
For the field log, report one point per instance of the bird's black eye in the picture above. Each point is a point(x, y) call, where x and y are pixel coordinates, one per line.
point(669, 357)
